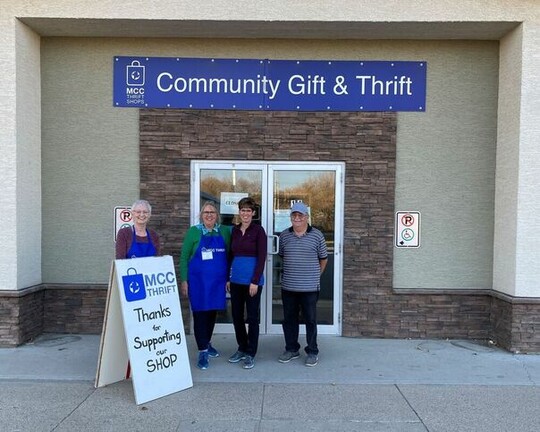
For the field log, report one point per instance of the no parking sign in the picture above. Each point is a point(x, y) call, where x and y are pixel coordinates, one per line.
point(122, 218)
point(407, 229)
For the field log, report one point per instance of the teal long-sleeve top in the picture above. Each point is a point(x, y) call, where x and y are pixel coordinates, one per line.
point(192, 240)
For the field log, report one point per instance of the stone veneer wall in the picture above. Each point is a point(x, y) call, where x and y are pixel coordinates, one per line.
point(28, 313)
point(21, 315)
point(74, 309)
point(515, 323)
point(170, 139)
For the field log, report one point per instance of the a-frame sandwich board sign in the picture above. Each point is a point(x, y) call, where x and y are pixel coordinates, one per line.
point(143, 326)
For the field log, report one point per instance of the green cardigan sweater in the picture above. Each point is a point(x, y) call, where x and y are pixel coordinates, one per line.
point(191, 243)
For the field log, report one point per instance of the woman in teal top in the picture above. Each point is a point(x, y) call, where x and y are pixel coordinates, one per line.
point(204, 274)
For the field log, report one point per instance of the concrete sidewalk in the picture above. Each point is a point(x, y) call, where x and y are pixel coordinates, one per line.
point(358, 385)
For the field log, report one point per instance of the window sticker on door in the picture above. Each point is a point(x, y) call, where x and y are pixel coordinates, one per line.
point(282, 220)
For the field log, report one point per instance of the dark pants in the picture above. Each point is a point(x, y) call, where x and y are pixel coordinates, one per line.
point(203, 327)
point(293, 302)
point(241, 302)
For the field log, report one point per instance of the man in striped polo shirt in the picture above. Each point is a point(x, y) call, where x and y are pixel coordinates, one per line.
point(304, 254)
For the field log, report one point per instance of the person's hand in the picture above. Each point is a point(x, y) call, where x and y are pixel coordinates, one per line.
point(228, 286)
point(184, 289)
point(253, 288)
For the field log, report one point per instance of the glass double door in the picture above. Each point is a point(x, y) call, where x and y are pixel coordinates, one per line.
point(275, 187)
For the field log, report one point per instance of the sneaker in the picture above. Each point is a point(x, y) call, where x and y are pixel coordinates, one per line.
point(237, 356)
point(312, 360)
point(202, 363)
point(249, 362)
point(287, 356)
point(212, 352)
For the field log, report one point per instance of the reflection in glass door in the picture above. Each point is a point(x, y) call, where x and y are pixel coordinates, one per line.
point(225, 184)
point(276, 186)
point(317, 186)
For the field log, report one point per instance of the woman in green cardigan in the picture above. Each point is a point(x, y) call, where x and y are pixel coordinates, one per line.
point(204, 275)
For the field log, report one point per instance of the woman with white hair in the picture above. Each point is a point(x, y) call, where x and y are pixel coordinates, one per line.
point(138, 240)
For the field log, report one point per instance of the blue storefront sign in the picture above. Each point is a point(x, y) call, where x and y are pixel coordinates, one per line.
point(271, 85)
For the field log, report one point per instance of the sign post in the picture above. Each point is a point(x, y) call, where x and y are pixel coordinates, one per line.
point(143, 325)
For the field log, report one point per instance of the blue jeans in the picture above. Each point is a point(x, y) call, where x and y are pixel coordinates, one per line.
point(241, 304)
point(293, 302)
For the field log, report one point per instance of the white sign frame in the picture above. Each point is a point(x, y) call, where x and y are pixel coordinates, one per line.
point(120, 219)
point(143, 325)
point(229, 202)
point(407, 229)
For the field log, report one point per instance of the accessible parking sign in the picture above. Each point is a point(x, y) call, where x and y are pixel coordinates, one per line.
point(407, 229)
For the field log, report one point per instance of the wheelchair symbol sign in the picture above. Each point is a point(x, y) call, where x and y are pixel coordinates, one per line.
point(407, 229)
point(407, 234)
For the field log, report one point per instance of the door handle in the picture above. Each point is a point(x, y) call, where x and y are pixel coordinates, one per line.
point(274, 242)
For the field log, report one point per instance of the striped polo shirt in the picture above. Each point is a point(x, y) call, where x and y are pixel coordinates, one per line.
point(301, 255)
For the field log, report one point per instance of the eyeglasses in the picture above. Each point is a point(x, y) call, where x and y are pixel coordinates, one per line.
point(298, 216)
point(208, 213)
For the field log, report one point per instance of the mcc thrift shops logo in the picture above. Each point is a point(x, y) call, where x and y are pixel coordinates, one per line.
point(135, 80)
point(271, 85)
point(134, 288)
point(139, 286)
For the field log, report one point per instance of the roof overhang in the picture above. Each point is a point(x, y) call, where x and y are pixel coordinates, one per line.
point(146, 28)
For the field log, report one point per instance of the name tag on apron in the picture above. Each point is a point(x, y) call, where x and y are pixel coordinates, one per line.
point(207, 254)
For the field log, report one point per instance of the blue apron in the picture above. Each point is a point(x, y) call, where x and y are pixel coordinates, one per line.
point(207, 274)
point(242, 270)
point(139, 249)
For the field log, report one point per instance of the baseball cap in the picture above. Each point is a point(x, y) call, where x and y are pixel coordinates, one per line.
point(299, 207)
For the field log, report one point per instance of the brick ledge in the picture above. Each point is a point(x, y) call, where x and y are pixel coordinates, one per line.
point(472, 292)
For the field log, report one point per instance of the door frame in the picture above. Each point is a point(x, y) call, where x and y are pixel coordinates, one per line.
point(267, 168)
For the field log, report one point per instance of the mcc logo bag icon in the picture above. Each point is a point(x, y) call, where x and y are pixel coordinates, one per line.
point(135, 74)
point(134, 288)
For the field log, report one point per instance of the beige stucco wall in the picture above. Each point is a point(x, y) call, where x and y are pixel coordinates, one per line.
point(446, 170)
point(445, 156)
point(28, 102)
point(528, 268)
point(8, 161)
point(20, 164)
point(517, 227)
point(282, 10)
point(90, 159)
point(516, 255)
point(507, 166)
